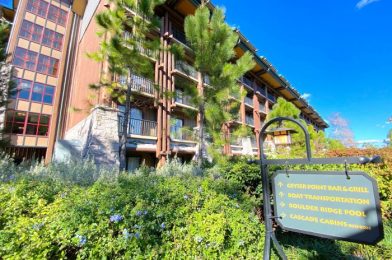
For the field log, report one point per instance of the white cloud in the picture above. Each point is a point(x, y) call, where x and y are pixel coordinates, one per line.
point(361, 4)
point(370, 141)
point(306, 96)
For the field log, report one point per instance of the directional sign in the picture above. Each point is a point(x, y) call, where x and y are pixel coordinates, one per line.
point(327, 204)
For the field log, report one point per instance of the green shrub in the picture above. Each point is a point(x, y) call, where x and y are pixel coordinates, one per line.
point(132, 216)
point(245, 174)
point(44, 213)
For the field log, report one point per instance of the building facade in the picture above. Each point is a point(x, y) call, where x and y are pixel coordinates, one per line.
point(55, 114)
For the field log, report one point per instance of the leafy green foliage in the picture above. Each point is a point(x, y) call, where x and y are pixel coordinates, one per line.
point(75, 210)
point(133, 216)
point(213, 42)
point(245, 174)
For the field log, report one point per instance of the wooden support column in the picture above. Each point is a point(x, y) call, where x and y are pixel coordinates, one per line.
point(162, 106)
point(242, 107)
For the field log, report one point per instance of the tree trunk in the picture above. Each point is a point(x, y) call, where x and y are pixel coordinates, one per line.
point(125, 125)
point(202, 148)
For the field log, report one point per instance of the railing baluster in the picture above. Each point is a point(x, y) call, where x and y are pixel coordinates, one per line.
point(139, 127)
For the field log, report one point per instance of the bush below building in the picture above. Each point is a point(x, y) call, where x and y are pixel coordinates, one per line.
point(76, 210)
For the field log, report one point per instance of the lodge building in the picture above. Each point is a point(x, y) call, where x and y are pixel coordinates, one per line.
point(55, 114)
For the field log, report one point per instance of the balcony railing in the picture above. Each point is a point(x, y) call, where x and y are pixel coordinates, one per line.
point(249, 120)
point(140, 127)
point(249, 101)
point(150, 53)
point(186, 68)
point(271, 97)
point(253, 142)
point(247, 81)
point(141, 84)
point(260, 89)
point(261, 107)
point(182, 134)
point(179, 35)
point(183, 99)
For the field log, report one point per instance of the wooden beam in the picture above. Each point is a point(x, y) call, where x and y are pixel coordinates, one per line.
point(261, 72)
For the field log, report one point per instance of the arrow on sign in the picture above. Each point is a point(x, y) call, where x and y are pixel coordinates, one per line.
point(283, 215)
point(282, 204)
point(280, 184)
point(281, 194)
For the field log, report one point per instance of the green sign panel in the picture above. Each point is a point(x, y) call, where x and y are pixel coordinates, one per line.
point(327, 204)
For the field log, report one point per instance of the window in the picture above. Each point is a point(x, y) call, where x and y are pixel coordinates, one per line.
point(176, 128)
point(18, 122)
point(15, 122)
point(57, 15)
point(43, 127)
point(23, 89)
point(38, 7)
point(25, 59)
point(52, 39)
point(136, 121)
point(47, 65)
point(31, 31)
point(133, 163)
point(66, 2)
point(48, 96)
point(38, 92)
point(42, 93)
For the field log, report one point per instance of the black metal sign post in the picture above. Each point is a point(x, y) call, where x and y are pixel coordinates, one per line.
point(264, 166)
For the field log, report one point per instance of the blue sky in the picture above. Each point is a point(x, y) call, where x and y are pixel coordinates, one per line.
point(338, 52)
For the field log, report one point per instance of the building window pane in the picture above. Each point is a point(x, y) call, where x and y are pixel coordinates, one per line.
point(25, 59)
point(38, 92)
point(58, 41)
point(15, 122)
point(36, 124)
point(38, 7)
point(62, 18)
point(43, 127)
point(31, 129)
point(30, 31)
point(25, 29)
point(52, 39)
point(48, 97)
point(57, 15)
point(43, 130)
point(47, 65)
point(23, 88)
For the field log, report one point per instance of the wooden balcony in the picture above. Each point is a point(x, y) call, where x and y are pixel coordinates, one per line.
point(139, 127)
point(184, 100)
point(186, 69)
point(262, 108)
point(249, 120)
point(248, 101)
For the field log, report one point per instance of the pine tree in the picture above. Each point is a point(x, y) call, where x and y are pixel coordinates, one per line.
point(127, 48)
point(283, 108)
point(212, 41)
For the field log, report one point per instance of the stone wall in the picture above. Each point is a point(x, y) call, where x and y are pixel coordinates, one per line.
point(95, 137)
